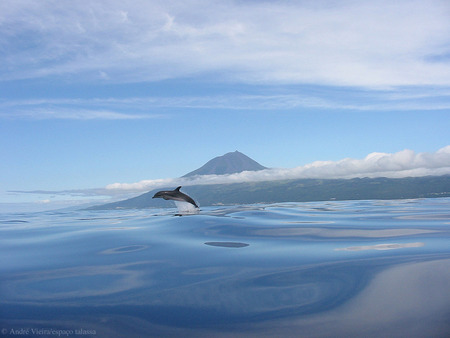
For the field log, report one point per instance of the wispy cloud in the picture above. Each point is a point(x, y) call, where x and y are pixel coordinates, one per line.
point(400, 99)
point(74, 114)
point(353, 43)
point(72, 109)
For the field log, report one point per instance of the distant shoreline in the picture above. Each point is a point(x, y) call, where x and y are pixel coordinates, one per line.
point(299, 190)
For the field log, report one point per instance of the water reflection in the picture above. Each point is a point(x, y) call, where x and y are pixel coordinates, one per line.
point(404, 300)
point(390, 246)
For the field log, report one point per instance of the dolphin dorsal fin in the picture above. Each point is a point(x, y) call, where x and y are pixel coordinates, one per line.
point(178, 189)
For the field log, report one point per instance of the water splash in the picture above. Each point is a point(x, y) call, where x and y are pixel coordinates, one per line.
point(185, 208)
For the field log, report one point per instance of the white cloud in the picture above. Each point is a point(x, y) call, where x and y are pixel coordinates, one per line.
point(78, 114)
point(405, 163)
point(354, 43)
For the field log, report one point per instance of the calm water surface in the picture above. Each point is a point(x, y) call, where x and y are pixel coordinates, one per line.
point(323, 269)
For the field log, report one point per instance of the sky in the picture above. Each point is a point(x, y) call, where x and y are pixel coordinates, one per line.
point(101, 100)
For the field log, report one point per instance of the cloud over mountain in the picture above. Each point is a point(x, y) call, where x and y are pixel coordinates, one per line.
point(405, 163)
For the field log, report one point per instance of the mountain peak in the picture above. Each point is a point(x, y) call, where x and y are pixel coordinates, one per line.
point(230, 163)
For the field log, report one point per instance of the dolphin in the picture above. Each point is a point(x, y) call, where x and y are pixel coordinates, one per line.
point(175, 195)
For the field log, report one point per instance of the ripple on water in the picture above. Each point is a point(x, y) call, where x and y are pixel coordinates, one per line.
point(73, 283)
point(124, 249)
point(340, 232)
point(13, 221)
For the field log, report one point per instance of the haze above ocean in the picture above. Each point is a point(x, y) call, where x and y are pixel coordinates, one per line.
point(318, 269)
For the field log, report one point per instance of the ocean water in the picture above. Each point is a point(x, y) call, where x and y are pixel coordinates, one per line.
point(322, 269)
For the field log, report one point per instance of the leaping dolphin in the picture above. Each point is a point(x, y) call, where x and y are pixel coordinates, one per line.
point(175, 195)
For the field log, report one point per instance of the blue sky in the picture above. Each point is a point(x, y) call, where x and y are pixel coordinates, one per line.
point(103, 92)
